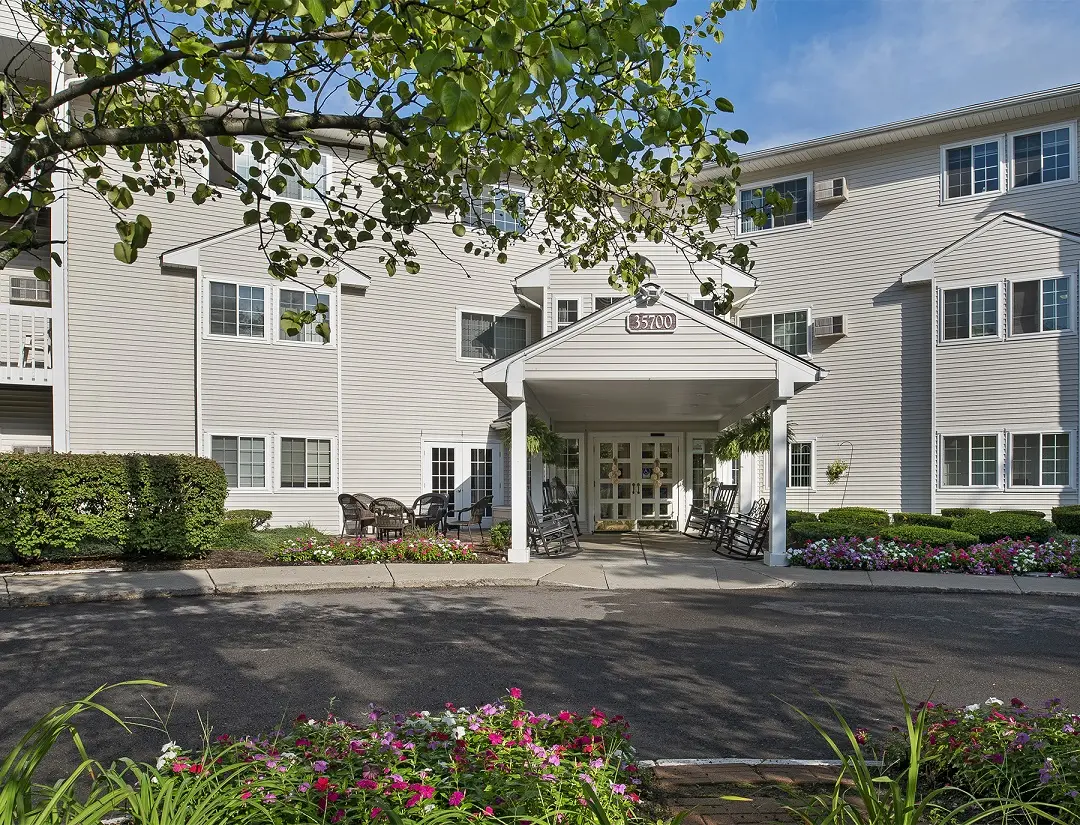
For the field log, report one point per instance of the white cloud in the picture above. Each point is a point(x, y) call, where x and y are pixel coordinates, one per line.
point(916, 57)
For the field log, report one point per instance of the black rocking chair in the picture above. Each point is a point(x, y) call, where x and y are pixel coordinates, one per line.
point(552, 533)
point(706, 520)
point(743, 535)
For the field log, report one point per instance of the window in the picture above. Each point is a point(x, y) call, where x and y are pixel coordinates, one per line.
point(492, 208)
point(1042, 157)
point(482, 467)
point(236, 310)
point(29, 289)
point(1041, 305)
point(567, 468)
point(796, 189)
point(969, 461)
point(243, 459)
point(801, 465)
point(491, 336)
point(969, 312)
point(291, 171)
point(567, 311)
point(25, 449)
point(972, 169)
point(702, 470)
point(604, 301)
point(705, 305)
point(1040, 459)
point(305, 462)
point(787, 330)
point(297, 300)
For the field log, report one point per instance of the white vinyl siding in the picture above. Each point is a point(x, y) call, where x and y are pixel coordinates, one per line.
point(974, 168)
point(752, 203)
point(969, 461)
point(1040, 305)
point(243, 458)
point(306, 462)
point(801, 465)
point(296, 300)
point(1043, 156)
point(237, 310)
point(1041, 460)
point(970, 312)
point(787, 330)
point(490, 337)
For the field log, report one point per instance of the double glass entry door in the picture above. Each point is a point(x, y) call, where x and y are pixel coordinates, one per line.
point(636, 478)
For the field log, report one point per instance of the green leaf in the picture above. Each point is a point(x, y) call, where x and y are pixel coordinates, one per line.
point(560, 63)
point(459, 106)
point(42, 274)
point(317, 10)
point(13, 205)
point(279, 212)
point(724, 105)
point(459, 230)
point(739, 136)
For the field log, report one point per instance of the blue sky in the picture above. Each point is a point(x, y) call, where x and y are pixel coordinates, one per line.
point(798, 69)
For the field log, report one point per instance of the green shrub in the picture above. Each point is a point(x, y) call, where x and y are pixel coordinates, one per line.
point(1066, 518)
point(500, 535)
point(63, 504)
point(256, 518)
point(924, 520)
point(800, 533)
point(993, 526)
point(960, 512)
point(795, 516)
point(933, 536)
point(1033, 513)
point(865, 517)
point(236, 534)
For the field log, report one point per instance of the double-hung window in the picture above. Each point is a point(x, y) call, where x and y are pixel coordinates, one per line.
point(972, 169)
point(1043, 156)
point(787, 330)
point(567, 312)
point(1040, 305)
point(1040, 460)
point(705, 305)
point(604, 301)
point(969, 461)
point(306, 462)
point(297, 300)
point(753, 202)
point(497, 208)
point(237, 310)
point(242, 458)
point(801, 465)
point(969, 312)
point(491, 336)
point(300, 184)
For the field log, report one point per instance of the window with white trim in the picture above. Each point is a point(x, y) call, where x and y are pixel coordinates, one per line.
point(801, 464)
point(237, 310)
point(706, 305)
point(754, 198)
point(301, 300)
point(271, 165)
point(969, 461)
point(1040, 460)
point(28, 289)
point(1043, 156)
point(243, 458)
point(972, 169)
point(567, 312)
point(1040, 305)
point(604, 301)
point(969, 312)
point(496, 207)
point(306, 462)
point(492, 336)
point(787, 330)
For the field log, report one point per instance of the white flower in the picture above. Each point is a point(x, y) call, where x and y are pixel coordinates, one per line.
point(170, 746)
point(459, 732)
point(972, 708)
point(993, 701)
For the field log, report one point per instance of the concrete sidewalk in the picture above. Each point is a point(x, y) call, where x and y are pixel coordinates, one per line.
point(596, 571)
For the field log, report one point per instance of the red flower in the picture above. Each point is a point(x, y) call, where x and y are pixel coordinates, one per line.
point(322, 783)
point(515, 693)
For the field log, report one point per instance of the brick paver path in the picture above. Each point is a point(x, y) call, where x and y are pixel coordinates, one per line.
point(698, 789)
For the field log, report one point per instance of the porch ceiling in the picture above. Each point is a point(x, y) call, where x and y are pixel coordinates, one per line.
point(652, 399)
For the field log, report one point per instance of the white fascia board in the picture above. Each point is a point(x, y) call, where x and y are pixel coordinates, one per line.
point(922, 274)
point(538, 277)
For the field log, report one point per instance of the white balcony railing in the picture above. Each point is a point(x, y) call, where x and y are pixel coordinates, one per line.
point(25, 344)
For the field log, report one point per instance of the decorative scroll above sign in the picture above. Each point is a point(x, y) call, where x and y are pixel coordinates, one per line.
point(648, 322)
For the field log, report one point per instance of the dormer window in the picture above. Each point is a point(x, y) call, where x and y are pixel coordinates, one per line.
point(490, 208)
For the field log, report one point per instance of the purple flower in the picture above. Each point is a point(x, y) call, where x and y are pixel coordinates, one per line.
point(319, 766)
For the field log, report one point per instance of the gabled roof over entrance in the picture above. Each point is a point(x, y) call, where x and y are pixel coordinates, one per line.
point(187, 256)
point(650, 357)
point(923, 272)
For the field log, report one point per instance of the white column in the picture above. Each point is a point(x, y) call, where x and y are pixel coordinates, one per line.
point(776, 556)
point(519, 485)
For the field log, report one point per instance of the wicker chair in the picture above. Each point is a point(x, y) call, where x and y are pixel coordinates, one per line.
point(552, 533)
point(429, 510)
point(356, 518)
point(475, 521)
point(391, 516)
point(706, 520)
point(743, 535)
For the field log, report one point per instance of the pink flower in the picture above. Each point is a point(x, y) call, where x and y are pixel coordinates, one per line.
point(564, 716)
point(495, 738)
point(375, 812)
point(515, 693)
point(246, 795)
point(456, 798)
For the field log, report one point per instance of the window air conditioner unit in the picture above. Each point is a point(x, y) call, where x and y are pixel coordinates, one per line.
point(831, 190)
point(831, 326)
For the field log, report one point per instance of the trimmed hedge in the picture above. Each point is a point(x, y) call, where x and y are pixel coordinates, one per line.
point(256, 518)
point(60, 504)
point(866, 517)
point(1032, 513)
point(803, 532)
point(796, 516)
point(933, 536)
point(235, 534)
point(924, 520)
point(1066, 518)
point(990, 527)
point(960, 512)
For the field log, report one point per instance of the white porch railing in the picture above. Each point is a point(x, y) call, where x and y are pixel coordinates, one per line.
point(25, 344)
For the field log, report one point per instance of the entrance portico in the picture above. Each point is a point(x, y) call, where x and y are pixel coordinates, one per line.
point(640, 377)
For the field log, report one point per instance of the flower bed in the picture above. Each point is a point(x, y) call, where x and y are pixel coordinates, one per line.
point(1006, 557)
point(499, 760)
point(330, 550)
point(1014, 750)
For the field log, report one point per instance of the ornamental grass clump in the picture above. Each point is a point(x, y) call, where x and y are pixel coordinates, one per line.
point(333, 550)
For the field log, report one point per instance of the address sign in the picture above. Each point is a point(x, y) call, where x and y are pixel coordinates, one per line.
point(647, 322)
